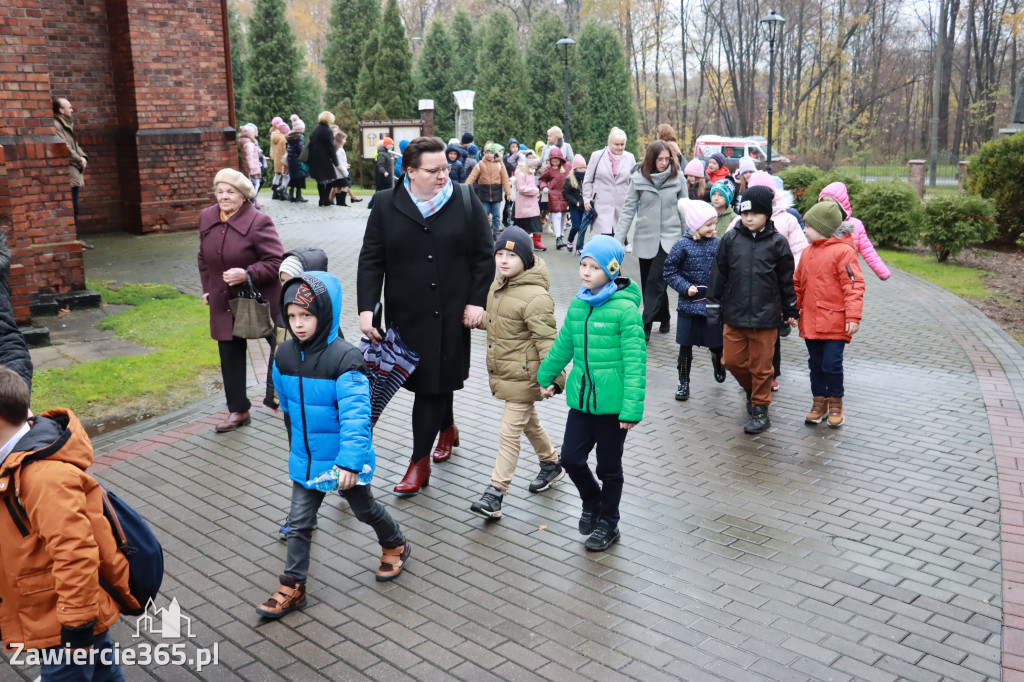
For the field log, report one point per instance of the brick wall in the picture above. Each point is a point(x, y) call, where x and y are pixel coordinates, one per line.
point(149, 84)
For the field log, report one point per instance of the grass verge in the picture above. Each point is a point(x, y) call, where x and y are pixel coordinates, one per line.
point(962, 281)
point(180, 370)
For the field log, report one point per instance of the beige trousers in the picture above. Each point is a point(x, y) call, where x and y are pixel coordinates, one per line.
point(517, 419)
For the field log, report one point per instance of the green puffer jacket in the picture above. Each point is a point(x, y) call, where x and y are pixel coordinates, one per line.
point(608, 353)
point(520, 324)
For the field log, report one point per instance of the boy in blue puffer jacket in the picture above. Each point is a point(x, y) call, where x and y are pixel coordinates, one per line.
point(322, 385)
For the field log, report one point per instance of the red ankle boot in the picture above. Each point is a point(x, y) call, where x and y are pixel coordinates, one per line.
point(416, 476)
point(538, 245)
point(448, 439)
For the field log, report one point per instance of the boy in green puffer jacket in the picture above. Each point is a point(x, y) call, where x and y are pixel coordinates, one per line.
point(603, 335)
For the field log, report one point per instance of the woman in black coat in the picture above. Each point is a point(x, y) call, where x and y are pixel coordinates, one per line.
point(434, 262)
point(323, 161)
point(294, 143)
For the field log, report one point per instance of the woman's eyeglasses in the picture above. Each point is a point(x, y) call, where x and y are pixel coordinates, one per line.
point(443, 170)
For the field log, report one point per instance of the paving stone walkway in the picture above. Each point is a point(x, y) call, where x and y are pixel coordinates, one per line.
point(889, 549)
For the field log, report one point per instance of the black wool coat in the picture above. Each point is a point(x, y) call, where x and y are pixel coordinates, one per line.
point(430, 269)
point(323, 161)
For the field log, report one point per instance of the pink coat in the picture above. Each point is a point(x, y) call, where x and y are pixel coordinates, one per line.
point(607, 191)
point(247, 240)
point(865, 248)
point(527, 196)
point(250, 157)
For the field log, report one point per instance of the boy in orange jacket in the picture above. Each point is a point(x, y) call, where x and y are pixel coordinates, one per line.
point(830, 295)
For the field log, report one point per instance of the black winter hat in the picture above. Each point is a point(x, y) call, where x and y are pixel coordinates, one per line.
point(467, 138)
point(515, 239)
point(757, 200)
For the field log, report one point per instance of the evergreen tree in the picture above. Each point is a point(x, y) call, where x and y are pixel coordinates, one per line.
point(501, 93)
point(435, 77)
point(238, 59)
point(545, 70)
point(607, 102)
point(350, 24)
point(272, 74)
point(464, 53)
point(366, 96)
point(392, 69)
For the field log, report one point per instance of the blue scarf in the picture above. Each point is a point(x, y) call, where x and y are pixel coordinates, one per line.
point(434, 204)
point(600, 298)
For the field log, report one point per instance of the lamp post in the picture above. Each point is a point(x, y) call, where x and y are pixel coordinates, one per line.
point(566, 43)
point(772, 26)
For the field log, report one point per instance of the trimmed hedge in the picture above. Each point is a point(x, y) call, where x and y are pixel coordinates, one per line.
point(995, 173)
point(798, 178)
point(953, 223)
point(890, 211)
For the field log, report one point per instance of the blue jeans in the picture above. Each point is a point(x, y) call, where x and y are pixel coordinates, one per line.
point(826, 365)
point(575, 219)
point(95, 670)
point(582, 432)
point(493, 209)
point(305, 505)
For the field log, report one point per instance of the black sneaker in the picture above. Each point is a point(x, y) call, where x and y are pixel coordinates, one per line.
point(759, 421)
point(549, 473)
point(603, 537)
point(716, 363)
point(588, 519)
point(490, 504)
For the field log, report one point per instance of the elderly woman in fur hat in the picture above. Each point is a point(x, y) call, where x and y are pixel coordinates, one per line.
point(236, 242)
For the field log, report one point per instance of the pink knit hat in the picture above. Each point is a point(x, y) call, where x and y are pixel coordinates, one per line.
point(578, 162)
point(698, 213)
point(761, 179)
point(283, 127)
point(695, 168)
point(276, 121)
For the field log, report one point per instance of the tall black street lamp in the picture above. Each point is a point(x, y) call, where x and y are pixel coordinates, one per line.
point(566, 43)
point(772, 25)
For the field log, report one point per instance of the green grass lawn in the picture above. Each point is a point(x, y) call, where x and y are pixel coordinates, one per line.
point(962, 281)
point(179, 371)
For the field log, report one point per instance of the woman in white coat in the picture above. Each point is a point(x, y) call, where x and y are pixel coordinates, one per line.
point(607, 180)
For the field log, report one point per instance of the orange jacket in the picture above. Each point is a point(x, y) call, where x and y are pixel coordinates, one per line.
point(55, 542)
point(829, 288)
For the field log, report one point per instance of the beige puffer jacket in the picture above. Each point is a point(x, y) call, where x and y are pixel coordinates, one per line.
point(520, 324)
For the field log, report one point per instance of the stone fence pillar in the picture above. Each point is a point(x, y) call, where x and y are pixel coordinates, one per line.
point(426, 107)
point(961, 175)
point(915, 175)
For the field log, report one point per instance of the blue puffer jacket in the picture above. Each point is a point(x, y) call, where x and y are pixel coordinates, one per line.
point(689, 263)
point(323, 388)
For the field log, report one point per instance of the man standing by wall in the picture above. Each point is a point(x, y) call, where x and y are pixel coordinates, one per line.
point(78, 160)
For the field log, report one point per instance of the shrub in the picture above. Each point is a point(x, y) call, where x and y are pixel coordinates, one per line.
point(854, 186)
point(951, 224)
point(797, 178)
point(891, 210)
point(995, 173)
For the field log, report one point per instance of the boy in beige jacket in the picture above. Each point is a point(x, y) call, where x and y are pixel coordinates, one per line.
point(520, 324)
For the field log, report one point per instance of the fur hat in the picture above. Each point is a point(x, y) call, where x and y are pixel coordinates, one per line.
point(824, 217)
point(606, 252)
point(236, 180)
point(746, 164)
point(467, 137)
point(757, 200)
point(723, 188)
point(579, 163)
point(515, 239)
point(695, 168)
point(698, 213)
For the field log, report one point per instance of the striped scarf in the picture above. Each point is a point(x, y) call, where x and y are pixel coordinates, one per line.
point(434, 204)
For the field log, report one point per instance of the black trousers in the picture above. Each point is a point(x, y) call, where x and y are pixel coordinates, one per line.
point(324, 190)
point(655, 291)
point(431, 414)
point(232, 370)
point(74, 205)
point(582, 432)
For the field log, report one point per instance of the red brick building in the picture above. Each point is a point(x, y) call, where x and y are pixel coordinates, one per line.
point(150, 84)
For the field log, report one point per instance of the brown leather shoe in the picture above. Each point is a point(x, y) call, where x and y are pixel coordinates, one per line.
point(448, 439)
point(234, 420)
point(289, 597)
point(416, 476)
point(392, 562)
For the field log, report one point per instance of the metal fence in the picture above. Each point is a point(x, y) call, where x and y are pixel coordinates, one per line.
point(946, 174)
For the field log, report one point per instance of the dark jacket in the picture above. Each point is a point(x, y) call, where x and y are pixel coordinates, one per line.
point(511, 161)
point(574, 195)
point(385, 164)
point(294, 143)
point(323, 161)
point(752, 280)
point(689, 264)
point(324, 390)
point(458, 171)
point(247, 240)
point(13, 351)
point(430, 269)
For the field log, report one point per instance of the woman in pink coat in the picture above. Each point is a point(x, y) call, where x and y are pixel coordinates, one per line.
point(527, 201)
point(607, 181)
point(838, 193)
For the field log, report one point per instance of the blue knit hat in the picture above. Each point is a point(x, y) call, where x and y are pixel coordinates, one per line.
point(723, 188)
point(607, 252)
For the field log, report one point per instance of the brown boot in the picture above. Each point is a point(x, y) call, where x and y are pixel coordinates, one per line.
point(234, 421)
point(289, 597)
point(392, 562)
point(818, 410)
point(835, 412)
point(448, 439)
point(416, 476)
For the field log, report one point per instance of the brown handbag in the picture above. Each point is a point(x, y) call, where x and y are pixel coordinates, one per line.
point(251, 312)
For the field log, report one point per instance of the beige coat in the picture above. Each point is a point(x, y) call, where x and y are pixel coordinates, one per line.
point(278, 151)
point(66, 132)
point(520, 324)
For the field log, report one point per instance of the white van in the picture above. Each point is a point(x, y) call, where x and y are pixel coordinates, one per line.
point(735, 148)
